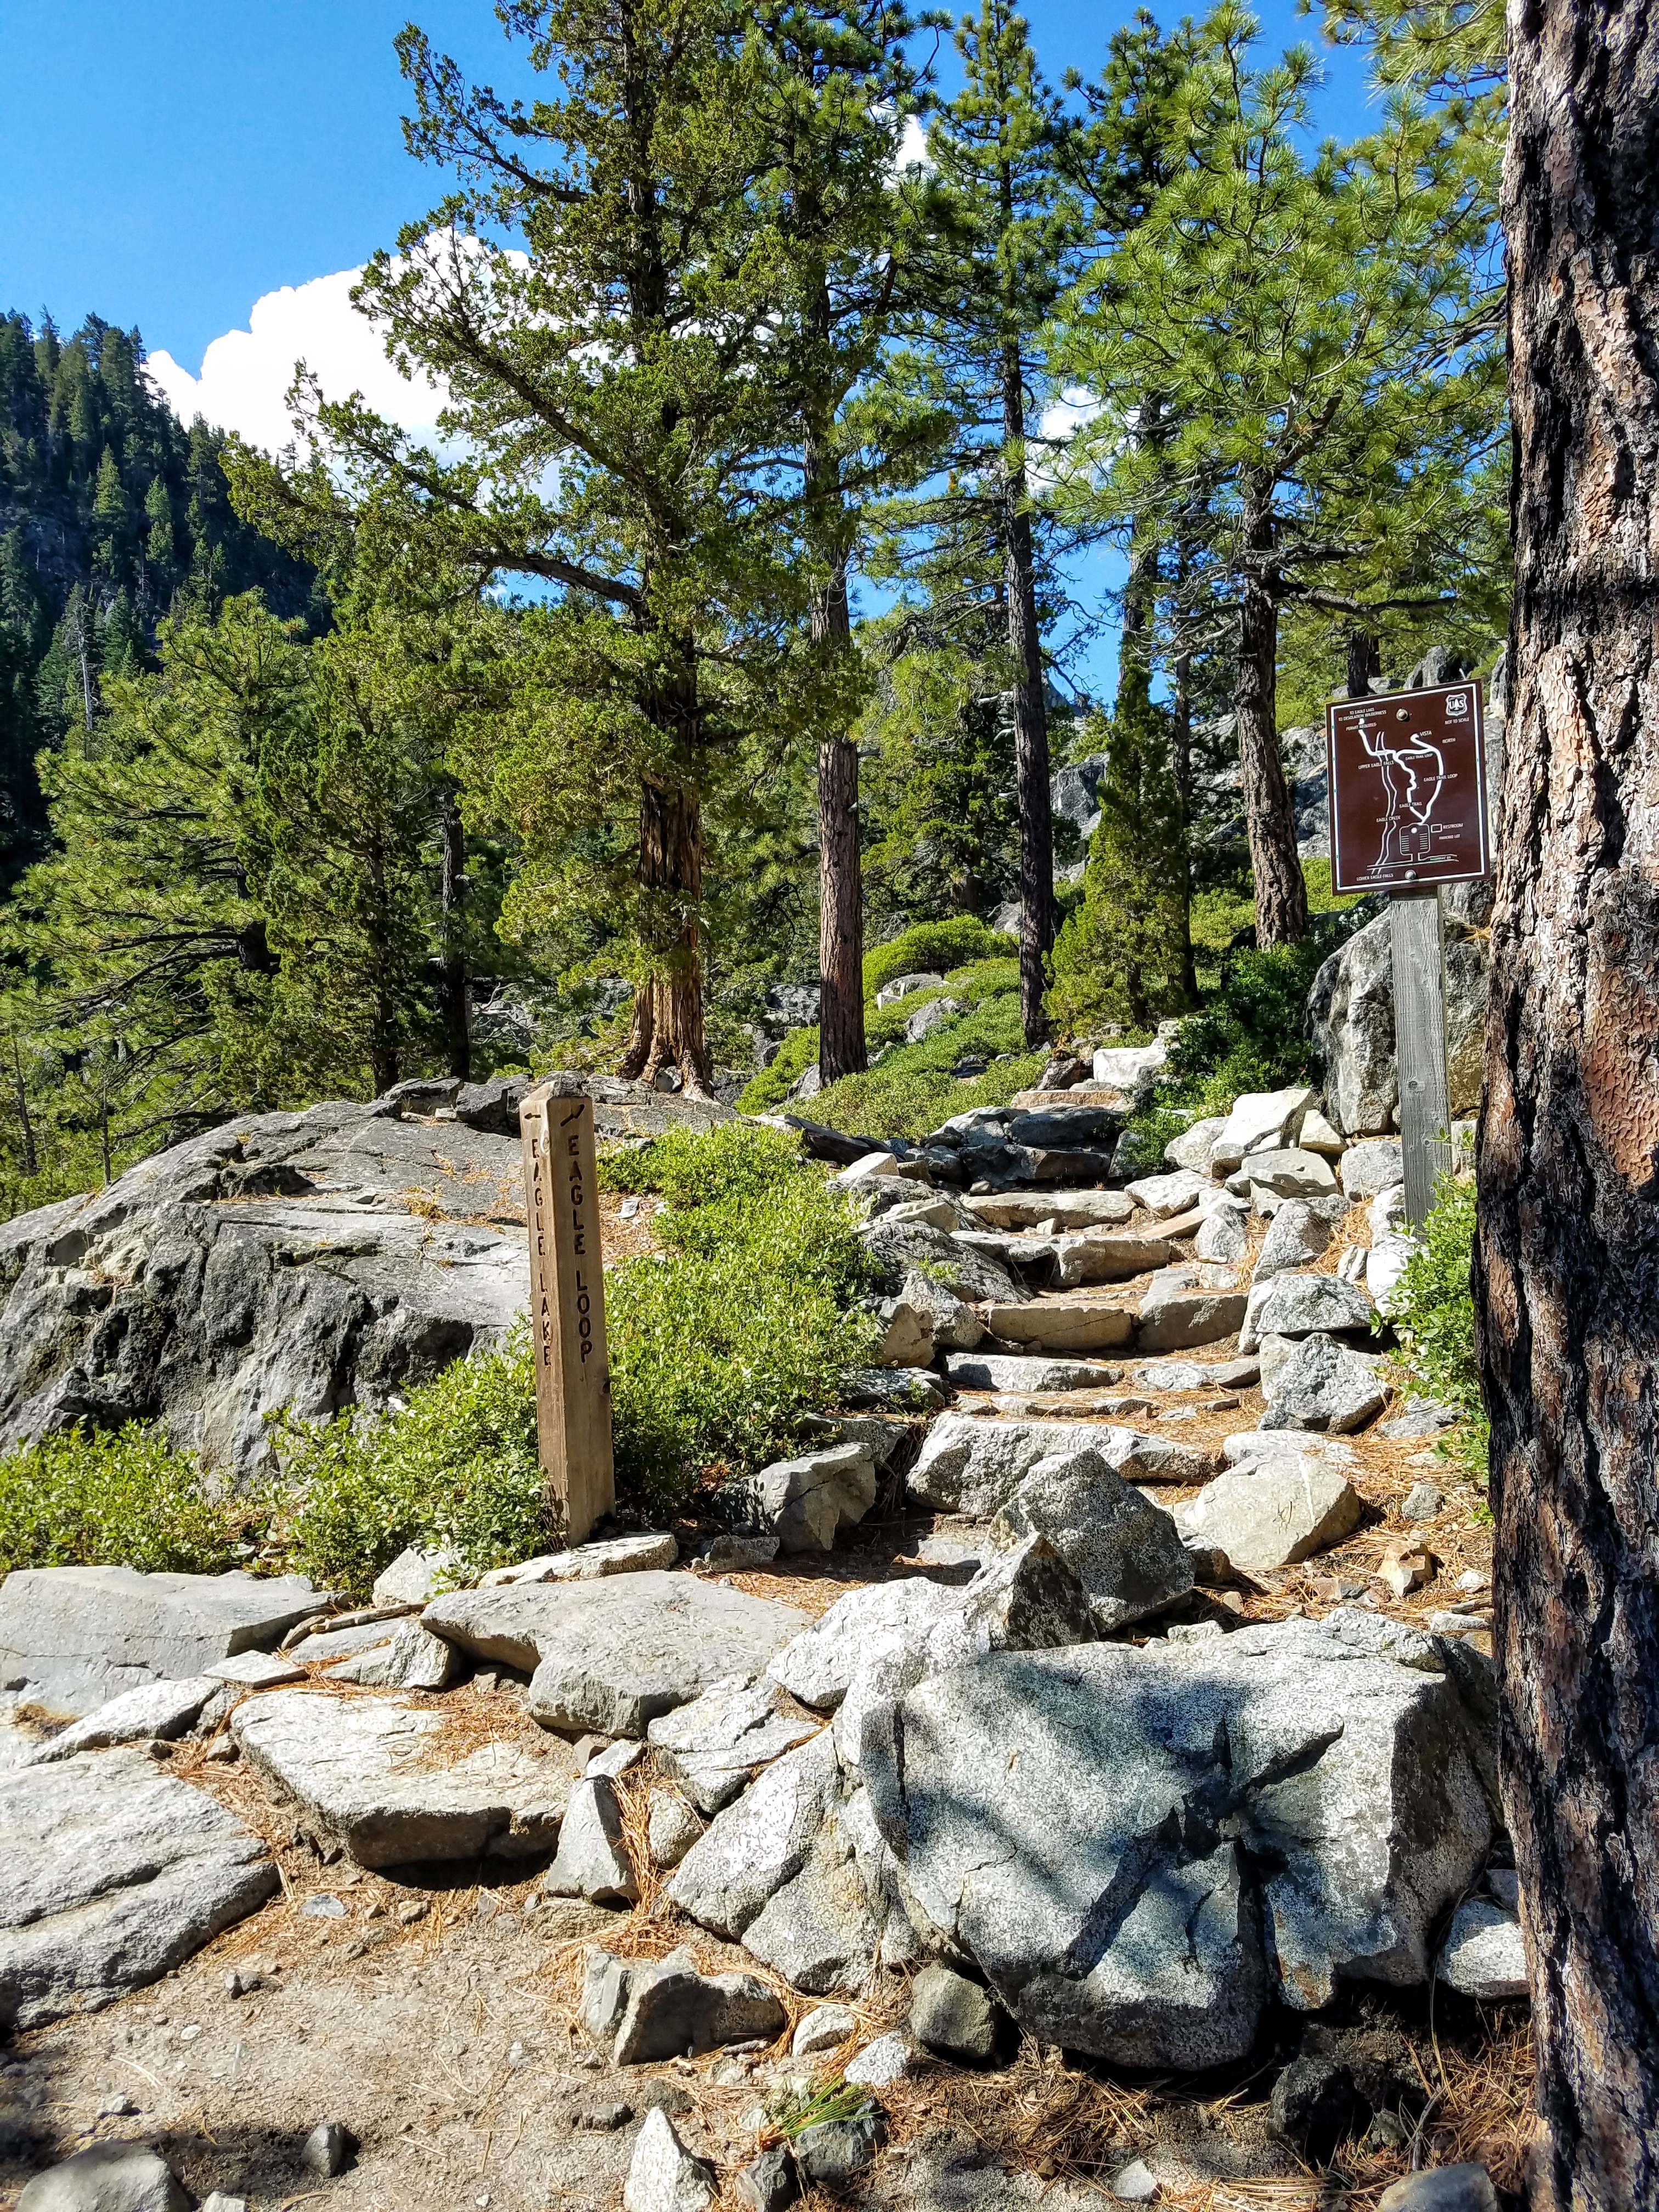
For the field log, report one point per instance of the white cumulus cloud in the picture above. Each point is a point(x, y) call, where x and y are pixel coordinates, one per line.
point(245, 373)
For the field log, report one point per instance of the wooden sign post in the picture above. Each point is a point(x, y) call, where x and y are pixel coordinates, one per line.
point(566, 1304)
point(1408, 813)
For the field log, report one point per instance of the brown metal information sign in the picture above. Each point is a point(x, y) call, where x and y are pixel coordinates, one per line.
point(1408, 789)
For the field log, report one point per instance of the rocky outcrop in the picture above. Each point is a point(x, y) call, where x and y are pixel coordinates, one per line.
point(380, 1778)
point(1351, 1011)
point(286, 1260)
point(112, 1872)
point(72, 1637)
point(1137, 1848)
point(615, 1655)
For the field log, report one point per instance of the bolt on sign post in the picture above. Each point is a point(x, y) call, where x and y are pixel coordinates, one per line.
point(566, 1304)
point(1408, 813)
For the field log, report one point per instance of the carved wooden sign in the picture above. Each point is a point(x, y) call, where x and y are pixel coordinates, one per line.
point(566, 1304)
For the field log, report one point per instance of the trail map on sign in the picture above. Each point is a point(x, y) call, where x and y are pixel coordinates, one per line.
point(1407, 789)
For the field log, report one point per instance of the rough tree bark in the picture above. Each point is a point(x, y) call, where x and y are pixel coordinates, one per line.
point(1281, 897)
point(1032, 794)
point(1364, 660)
point(1180, 763)
point(841, 1050)
point(1567, 1264)
point(452, 894)
point(667, 1027)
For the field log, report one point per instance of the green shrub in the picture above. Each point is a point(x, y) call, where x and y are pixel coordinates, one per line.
point(935, 948)
point(1431, 1309)
point(457, 1469)
point(769, 1091)
point(914, 1090)
point(97, 1497)
point(720, 1348)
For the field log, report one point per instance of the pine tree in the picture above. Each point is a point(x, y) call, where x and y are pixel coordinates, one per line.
point(606, 343)
point(1323, 435)
point(1123, 954)
point(1004, 228)
point(159, 544)
point(832, 87)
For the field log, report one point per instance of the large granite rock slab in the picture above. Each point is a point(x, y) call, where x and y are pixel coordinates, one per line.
point(1325, 1385)
point(77, 1635)
point(394, 1783)
point(714, 1747)
point(615, 1655)
point(808, 1500)
point(155, 1712)
point(979, 1371)
point(1295, 1305)
point(973, 1465)
point(1261, 1121)
point(1072, 1209)
point(276, 1262)
point(1138, 1847)
point(1055, 1325)
point(112, 1872)
point(1105, 1255)
point(1180, 1312)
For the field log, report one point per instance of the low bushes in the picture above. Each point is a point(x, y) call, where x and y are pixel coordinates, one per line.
point(914, 1089)
point(1252, 1034)
point(1431, 1310)
point(747, 1323)
point(936, 948)
point(978, 965)
point(456, 1470)
point(115, 1498)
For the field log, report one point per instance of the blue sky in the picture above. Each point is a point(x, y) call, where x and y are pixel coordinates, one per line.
point(172, 162)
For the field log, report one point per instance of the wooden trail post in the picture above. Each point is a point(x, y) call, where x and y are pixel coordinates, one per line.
point(1408, 813)
point(566, 1304)
point(1419, 1045)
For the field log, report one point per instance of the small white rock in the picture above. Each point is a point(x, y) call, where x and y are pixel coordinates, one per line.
point(664, 2176)
point(1134, 2184)
point(887, 2059)
point(826, 2028)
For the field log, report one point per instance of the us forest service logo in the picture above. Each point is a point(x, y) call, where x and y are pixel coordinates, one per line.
point(1407, 789)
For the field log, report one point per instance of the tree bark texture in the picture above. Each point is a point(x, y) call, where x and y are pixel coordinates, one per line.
point(1180, 763)
point(452, 893)
point(1032, 793)
point(1281, 896)
point(667, 1028)
point(1567, 1260)
point(1364, 660)
point(841, 1048)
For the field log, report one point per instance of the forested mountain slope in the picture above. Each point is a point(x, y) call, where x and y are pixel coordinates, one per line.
point(111, 512)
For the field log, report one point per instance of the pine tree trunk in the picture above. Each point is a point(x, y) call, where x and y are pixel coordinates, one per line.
point(667, 1028)
point(1281, 896)
point(1180, 763)
point(1364, 660)
point(841, 1047)
point(1567, 1267)
point(1032, 795)
point(452, 894)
